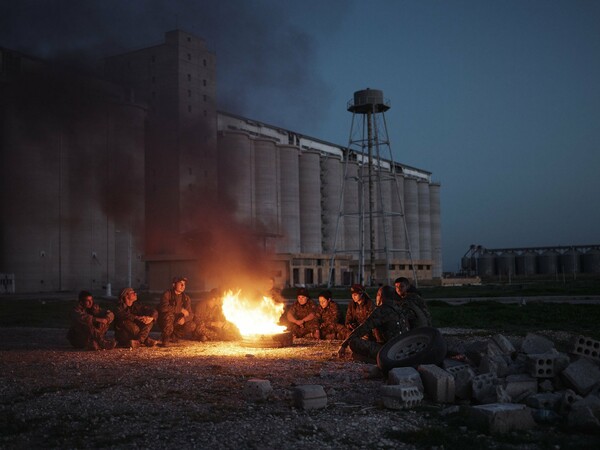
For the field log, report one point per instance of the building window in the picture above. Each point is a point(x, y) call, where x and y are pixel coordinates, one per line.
point(189, 93)
point(189, 77)
point(391, 267)
point(204, 97)
point(189, 55)
point(420, 267)
point(296, 276)
point(308, 276)
point(401, 267)
point(203, 82)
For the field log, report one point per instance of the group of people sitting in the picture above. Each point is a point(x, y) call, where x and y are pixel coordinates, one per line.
point(367, 325)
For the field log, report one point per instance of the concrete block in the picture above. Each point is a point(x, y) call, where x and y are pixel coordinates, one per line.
point(502, 344)
point(534, 344)
point(484, 388)
point(541, 366)
point(310, 396)
point(583, 418)
point(475, 351)
point(547, 400)
point(501, 417)
point(496, 364)
point(439, 384)
point(546, 386)
point(581, 375)
point(407, 376)
point(400, 397)
point(449, 363)
point(257, 390)
point(585, 346)
point(463, 383)
point(501, 395)
point(568, 398)
point(520, 386)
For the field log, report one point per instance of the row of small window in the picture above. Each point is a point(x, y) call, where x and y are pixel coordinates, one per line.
point(409, 266)
point(189, 58)
point(189, 77)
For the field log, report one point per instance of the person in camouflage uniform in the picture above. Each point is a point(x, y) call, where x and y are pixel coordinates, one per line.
point(133, 321)
point(389, 318)
point(175, 315)
point(89, 324)
point(359, 309)
point(328, 316)
point(301, 316)
point(416, 310)
point(211, 324)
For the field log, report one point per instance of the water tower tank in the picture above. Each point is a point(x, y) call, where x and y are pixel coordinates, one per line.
point(570, 261)
point(548, 262)
point(526, 263)
point(486, 265)
point(368, 100)
point(591, 261)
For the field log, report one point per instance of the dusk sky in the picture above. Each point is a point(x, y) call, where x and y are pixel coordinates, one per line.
point(500, 100)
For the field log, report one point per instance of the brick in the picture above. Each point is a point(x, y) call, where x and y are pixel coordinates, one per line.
point(484, 388)
point(257, 390)
point(534, 344)
point(581, 376)
point(310, 396)
point(499, 418)
point(408, 376)
point(400, 397)
point(439, 384)
point(541, 365)
point(585, 346)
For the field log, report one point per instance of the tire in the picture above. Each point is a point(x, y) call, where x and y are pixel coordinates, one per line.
point(423, 345)
point(268, 340)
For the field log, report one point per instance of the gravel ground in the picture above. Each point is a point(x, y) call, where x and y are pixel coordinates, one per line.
point(191, 395)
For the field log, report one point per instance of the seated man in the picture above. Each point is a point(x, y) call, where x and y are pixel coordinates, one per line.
point(89, 324)
point(407, 297)
point(328, 316)
point(301, 316)
point(359, 309)
point(175, 315)
point(211, 324)
point(134, 321)
point(388, 318)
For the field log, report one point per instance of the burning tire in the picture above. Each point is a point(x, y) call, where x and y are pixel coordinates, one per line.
point(268, 340)
point(423, 345)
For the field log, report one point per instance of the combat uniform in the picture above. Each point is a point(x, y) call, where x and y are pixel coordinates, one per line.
point(415, 309)
point(211, 324)
point(85, 332)
point(329, 322)
point(128, 325)
point(299, 312)
point(169, 313)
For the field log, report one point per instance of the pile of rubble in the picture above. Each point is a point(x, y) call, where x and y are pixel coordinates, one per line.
point(503, 386)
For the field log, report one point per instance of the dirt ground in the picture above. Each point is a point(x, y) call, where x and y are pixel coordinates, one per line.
point(191, 395)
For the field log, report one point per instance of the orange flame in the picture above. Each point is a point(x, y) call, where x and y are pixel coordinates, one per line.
point(253, 317)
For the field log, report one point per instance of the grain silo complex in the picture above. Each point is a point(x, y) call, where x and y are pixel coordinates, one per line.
point(79, 223)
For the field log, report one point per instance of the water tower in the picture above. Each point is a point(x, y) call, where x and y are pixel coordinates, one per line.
point(371, 202)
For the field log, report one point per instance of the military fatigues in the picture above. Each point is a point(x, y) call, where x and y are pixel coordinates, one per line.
point(211, 324)
point(389, 319)
point(299, 312)
point(329, 322)
point(169, 313)
point(128, 325)
point(85, 332)
point(415, 309)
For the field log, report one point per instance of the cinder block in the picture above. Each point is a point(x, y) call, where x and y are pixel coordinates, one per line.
point(257, 390)
point(547, 400)
point(484, 388)
point(400, 397)
point(496, 364)
point(501, 395)
point(585, 346)
point(541, 366)
point(569, 397)
point(502, 345)
point(534, 344)
point(501, 417)
point(439, 384)
point(310, 396)
point(463, 383)
point(449, 363)
point(520, 386)
point(408, 376)
point(581, 375)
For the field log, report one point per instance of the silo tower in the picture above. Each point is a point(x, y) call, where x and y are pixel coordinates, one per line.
point(376, 212)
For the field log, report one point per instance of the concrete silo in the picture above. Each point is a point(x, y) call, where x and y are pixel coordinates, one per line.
point(424, 220)
point(310, 202)
point(384, 221)
point(236, 173)
point(505, 264)
point(399, 239)
point(570, 261)
point(351, 218)
point(486, 264)
point(591, 261)
point(436, 230)
point(290, 199)
point(411, 214)
point(548, 262)
point(266, 182)
point(526, 263)
point(331, 189)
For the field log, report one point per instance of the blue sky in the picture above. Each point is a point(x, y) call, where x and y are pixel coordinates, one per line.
point(500, 100)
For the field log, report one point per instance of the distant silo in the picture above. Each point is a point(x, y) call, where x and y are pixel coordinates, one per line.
point(424, 220)
point(486, 264)
point(266, 194)
point(331, 183)
point(570, 261)
point(398, 228)
point(526, 263)
point(467, 263)
point(591, 261)
point(351, 218)
point(384, 223)
point(411, 213)
point(310, 202)
point(436, 230)
point(505, 263)
point(548, 262)
point(236, 173)
point(290, 199)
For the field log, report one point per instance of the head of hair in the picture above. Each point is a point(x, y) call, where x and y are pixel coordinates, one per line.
point(83, 295)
